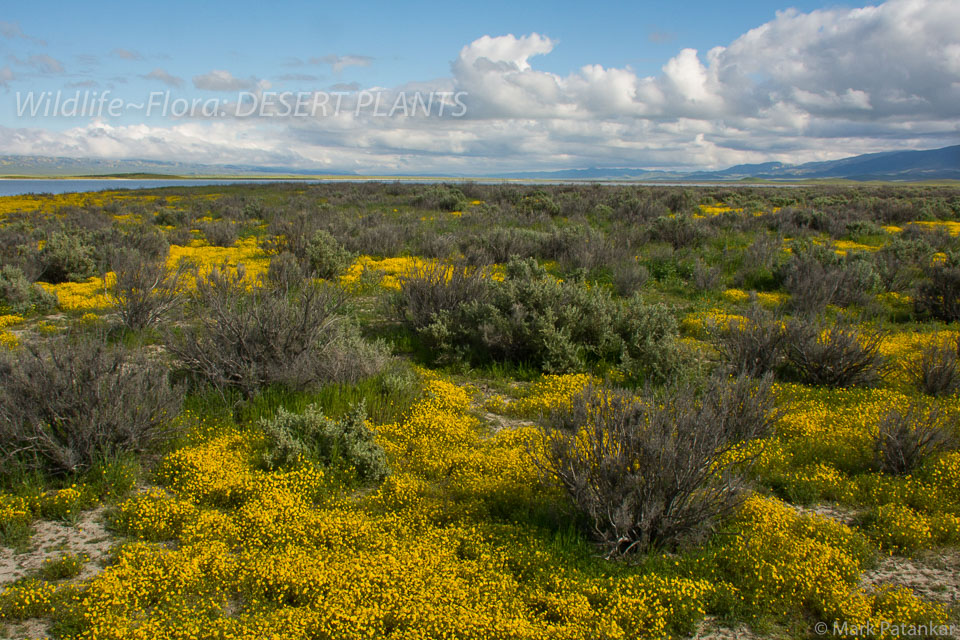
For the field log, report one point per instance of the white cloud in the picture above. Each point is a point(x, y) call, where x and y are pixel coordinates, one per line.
point(164, 77)
point(6, 75)
point(802, 87)
point(339, 63)
point(126, 54)
point(12, 30)
point(40, 62)
point(221, 80)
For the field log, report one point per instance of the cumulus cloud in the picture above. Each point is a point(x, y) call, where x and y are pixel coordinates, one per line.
point(802, 87)
point(164, 77)
point(866, 78)
point(221, 80)
point(339, 63)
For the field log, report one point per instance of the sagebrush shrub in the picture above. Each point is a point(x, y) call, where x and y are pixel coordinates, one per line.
point(905, 438)
point(938, 296)
point(500, 244)
point(580, 247)
point(65, 258)
point(312, 436)
point(170, 218)
point(285, 271)
point(248, 335)
point(435, 288)
point(326, 257)
point(705, 278)
point(19, 295)
point(538, 203)
point(679, 231)
point(755, 346)
point(443, 197)
point(834, 354)
point(290, 234)
point(655, 470)
point(220, 233)
point(532, 318)
point(815, 276)
point(628, 276)
point(144, 291)
point(937, 372)
point(761, 264)
point(71, 401)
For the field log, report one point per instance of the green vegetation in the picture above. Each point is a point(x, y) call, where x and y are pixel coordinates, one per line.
point(401, 410)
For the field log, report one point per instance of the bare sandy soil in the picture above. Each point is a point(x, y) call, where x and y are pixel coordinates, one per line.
point(50, 541)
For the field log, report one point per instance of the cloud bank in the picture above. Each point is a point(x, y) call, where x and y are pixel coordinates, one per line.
point(802, 87)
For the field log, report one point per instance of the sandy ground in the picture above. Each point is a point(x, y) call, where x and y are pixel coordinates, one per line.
point(50, 541)
point(709, 629)
point(933, 576)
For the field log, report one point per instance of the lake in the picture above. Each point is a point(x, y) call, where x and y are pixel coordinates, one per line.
point(16, 187)
point(19, 186)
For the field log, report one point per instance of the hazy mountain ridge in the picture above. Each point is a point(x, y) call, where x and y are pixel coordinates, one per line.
point(933, 164)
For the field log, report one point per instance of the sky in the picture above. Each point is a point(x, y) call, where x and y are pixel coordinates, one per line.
point(455, 88)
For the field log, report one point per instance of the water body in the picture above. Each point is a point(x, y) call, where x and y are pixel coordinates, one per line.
point(17, 187)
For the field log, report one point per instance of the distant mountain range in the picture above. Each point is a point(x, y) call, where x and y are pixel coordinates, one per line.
point(934, 164)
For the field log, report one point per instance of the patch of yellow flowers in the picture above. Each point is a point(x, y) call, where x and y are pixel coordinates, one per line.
point(8, 339)
point(286, 554)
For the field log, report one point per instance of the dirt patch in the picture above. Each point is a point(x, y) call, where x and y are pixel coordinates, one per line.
point(831, 512)
point(499, 422)
point(27, 629)
point(710, 629)
point(51, 540)
point(933, 576)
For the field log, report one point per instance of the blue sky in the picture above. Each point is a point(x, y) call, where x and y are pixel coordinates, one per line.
point(543, 85)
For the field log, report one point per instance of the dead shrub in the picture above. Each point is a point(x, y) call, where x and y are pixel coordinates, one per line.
point(145, 291)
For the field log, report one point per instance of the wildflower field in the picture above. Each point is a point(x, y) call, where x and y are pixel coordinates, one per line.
point(373, 410)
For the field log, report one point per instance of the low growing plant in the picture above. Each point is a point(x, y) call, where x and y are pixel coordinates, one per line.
point(312, 436)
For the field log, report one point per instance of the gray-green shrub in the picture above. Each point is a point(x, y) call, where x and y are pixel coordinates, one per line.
point(312, 436)
point(66, 258)
point(19, 295)
point(532, 318)
point(907, 437)
point(71, 401)
point(326, 257)
point(834, 354)
point(652, 471)
point(246, 336)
